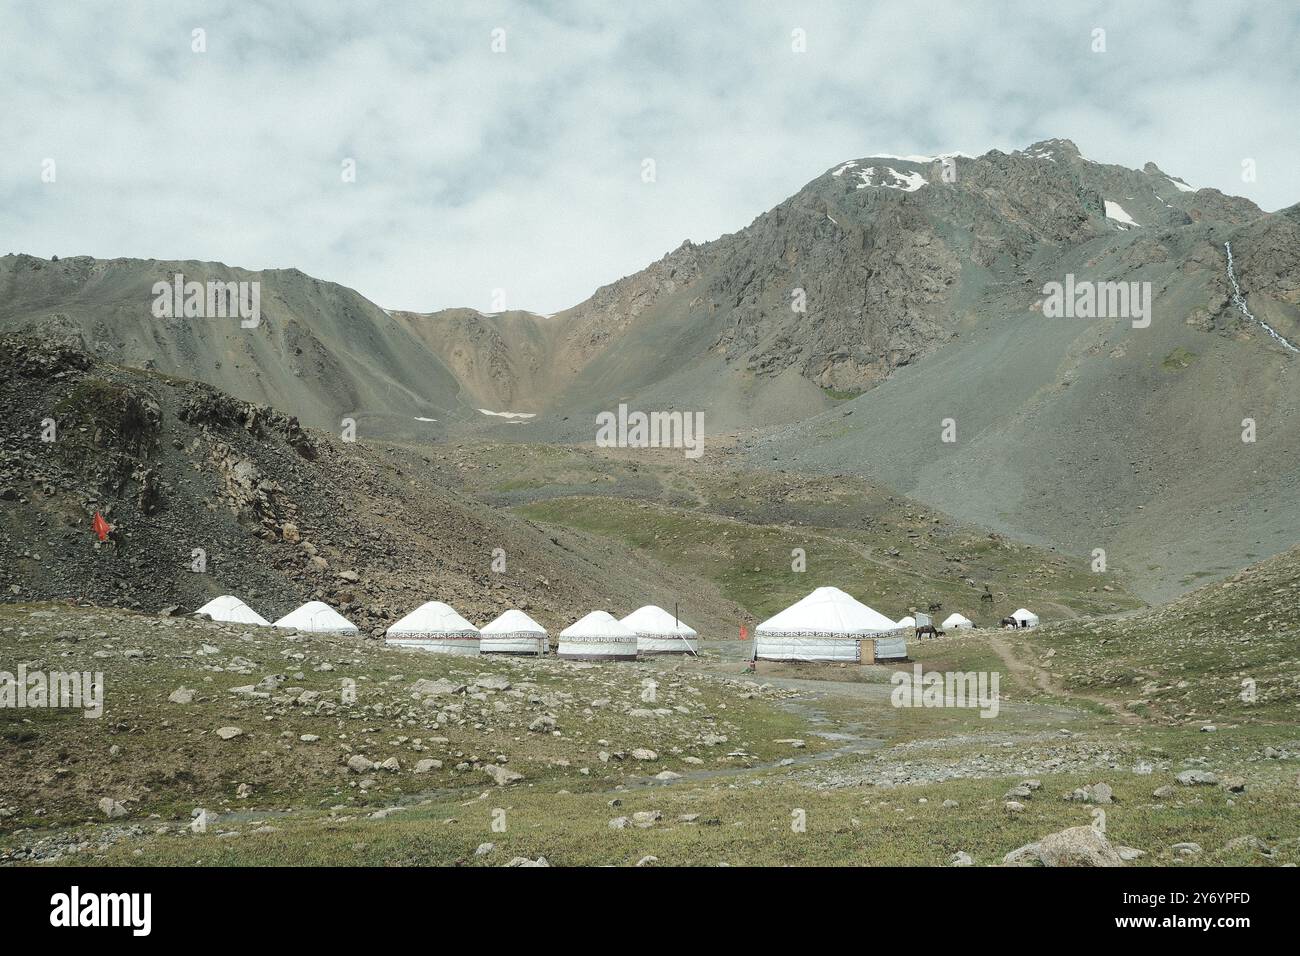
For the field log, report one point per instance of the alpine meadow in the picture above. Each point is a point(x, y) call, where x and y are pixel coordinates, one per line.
point(574, 435)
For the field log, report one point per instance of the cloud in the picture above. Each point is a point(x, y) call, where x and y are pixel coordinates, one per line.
point(522, 170)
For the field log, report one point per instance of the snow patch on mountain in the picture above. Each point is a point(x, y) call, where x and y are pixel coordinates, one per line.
point(890, 178)
point(1116, 212)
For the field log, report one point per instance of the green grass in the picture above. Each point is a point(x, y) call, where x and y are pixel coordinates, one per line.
point(746, 823)
point(163, 758)
point(1190, 661)
point(1178, 360)
point(753, 563)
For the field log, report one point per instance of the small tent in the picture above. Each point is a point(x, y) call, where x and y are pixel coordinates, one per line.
point(319, 618)
point(957, 621)
point(230, 608)
point(658, 632)
point(434, 626)
point(514, 632)
point(1026, 618)
point(908, 621)
point(598, 637)
point(827, 625)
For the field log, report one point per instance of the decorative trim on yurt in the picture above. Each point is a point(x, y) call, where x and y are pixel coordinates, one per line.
point(436, 627)
point(658, 632)
point(827, 625)
point(514, 632)
point(597, 637)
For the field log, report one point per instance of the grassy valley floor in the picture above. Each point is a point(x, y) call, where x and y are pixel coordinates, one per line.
point(671, 761)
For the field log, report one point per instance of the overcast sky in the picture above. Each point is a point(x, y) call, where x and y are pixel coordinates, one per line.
point(522, 170)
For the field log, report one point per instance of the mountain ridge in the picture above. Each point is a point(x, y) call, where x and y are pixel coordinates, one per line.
point(836, 332)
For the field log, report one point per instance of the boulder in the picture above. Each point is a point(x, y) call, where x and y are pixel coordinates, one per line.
point(502, 776)
point(1078, 846)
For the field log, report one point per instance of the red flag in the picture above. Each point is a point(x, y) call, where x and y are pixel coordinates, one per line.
point(102, 527)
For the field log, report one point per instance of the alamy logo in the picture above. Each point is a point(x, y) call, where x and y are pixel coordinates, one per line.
point(946, 689)
point(213, 299)
point(79, 690)
point(103, 909)
point(654, 430)
point(1086, 299)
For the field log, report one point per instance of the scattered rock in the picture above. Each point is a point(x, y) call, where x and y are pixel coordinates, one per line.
point(1026, 855)
point(1093, 793)
point(502, 775)
point(1078, 846)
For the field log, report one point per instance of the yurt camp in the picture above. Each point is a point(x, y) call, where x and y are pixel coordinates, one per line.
point(658, 632)
point(319, 618)
point(957, 621)
point(230, 608)
point(514, 632)
point(597, 637)
point(827, 625)
point(436, 627)
point(1026, 618)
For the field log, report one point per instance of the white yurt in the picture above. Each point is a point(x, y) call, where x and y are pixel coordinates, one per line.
point(957, 621)
point(824, 626)
point(514, 632)
point(598, 637)
point(658, 632)
point(1026, 618)
point(908, 621)
point(319, 618)
point(230, 608)
point(434, 626)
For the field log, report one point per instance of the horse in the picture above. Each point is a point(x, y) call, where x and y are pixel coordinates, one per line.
point(1009, 622)
point(987, 596)
point(936, 608)
point(929, 629)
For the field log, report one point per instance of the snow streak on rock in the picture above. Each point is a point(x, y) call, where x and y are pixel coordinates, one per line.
point(1240, 299)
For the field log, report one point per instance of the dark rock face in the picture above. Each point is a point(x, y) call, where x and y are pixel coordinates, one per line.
point(208, 494)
